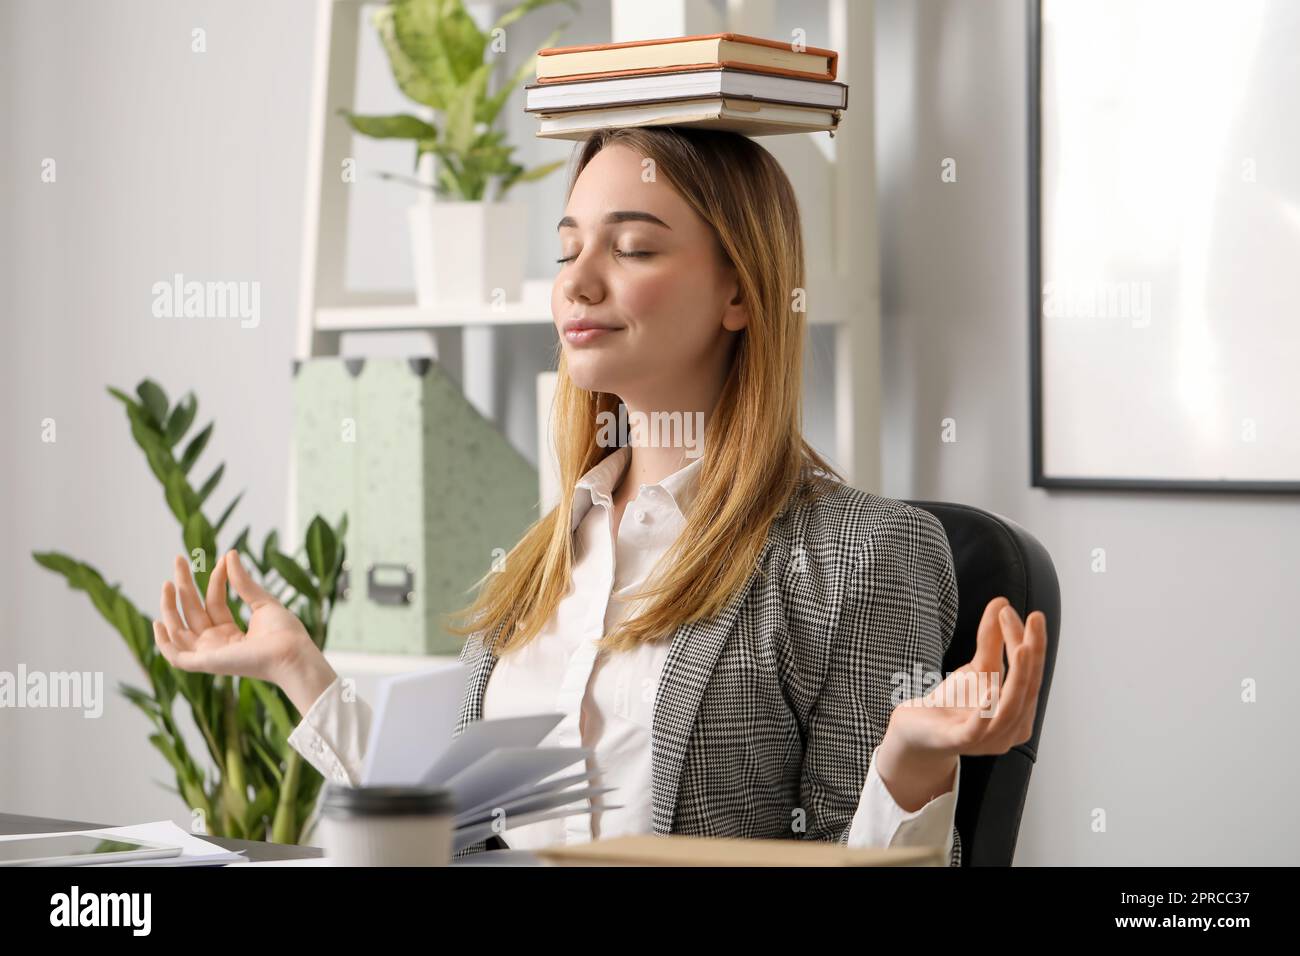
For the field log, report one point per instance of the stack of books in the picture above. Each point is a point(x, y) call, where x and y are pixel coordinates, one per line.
point(725, 81)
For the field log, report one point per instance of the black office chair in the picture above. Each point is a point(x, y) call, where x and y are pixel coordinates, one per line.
point(994, 556)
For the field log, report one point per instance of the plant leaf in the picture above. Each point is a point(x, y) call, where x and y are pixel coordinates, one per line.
point(211, 483)
point(195, 448)
point(54, 561)
point(298, 579)
point(261, 805)
point(221, 522)
point(528, 6)
point(275, 709)
point(147, 437)
point(396, 126)
point(164, 680)
point(145, 701)
point(537, 172)
point(155, 401)
point(491, 108)
point(461, 109)
point(268, 547)
point(199, 535)
point(124, 615)
point(165, 747)
point(321, 548)
point(121, 396)
point(422, 82)
point(270, 763)
point(179, 421)
point(180, 497)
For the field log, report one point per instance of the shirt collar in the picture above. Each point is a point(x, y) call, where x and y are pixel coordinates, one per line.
point(682, 485)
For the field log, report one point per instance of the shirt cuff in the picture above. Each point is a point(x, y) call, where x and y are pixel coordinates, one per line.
point(333, 734)
point(880, 822)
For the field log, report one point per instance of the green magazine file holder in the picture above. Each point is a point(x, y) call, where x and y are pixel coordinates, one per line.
point(434, 492)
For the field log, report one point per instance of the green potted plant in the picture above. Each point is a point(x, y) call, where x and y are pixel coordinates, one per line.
point(260, 788)
point(467, 240)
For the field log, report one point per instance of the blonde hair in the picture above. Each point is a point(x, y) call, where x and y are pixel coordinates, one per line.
point(756, 457)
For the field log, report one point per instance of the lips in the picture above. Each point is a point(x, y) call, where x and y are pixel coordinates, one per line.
point(583, 331)
point(584, 325)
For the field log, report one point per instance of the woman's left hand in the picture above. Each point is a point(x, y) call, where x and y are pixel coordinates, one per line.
point(978, 709)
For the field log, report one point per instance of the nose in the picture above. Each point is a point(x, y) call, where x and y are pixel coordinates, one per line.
point(582, 282)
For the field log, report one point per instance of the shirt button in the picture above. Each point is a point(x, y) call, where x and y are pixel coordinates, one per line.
point(640, 516)
point(317, 746)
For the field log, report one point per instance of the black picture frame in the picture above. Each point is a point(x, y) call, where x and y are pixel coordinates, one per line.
point(1038, 478)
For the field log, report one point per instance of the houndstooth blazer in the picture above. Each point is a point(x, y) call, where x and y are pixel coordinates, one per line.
point(776, 704)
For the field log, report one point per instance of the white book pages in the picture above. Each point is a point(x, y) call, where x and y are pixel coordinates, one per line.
point(530, 804)
point(481, 737)
point(546, 786)
point(508, 768)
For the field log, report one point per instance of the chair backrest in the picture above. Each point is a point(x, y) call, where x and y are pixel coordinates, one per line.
point(993, 556)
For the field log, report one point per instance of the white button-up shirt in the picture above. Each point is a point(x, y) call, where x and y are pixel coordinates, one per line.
point(607, 699)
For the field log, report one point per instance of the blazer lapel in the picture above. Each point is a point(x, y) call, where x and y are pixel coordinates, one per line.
point(686, 672)
point(481, 665)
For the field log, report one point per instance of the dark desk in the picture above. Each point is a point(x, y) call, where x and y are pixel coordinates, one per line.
point(254, 850)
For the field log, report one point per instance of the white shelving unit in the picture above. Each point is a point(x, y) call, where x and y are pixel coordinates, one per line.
point(845, 295)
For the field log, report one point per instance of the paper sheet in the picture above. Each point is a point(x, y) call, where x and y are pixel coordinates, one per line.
point(194, 851)
point(413, 722)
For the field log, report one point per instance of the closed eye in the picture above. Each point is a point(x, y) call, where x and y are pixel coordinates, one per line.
point(618, 254)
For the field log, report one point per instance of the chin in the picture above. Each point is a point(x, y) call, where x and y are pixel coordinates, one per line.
point(590, 372)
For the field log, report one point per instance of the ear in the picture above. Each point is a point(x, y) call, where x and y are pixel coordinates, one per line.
point(735, 314)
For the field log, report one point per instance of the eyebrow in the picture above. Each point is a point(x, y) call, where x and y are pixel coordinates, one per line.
point(624, 215)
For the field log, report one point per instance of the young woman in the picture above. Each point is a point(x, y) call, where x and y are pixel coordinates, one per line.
point(729, 627)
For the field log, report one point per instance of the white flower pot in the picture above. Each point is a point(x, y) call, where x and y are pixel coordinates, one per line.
point(471, 252)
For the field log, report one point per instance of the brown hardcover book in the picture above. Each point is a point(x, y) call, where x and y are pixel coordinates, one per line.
point(706, 51)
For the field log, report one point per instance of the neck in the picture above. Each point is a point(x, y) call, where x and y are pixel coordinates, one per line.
point(664, 438)
point(672, 420)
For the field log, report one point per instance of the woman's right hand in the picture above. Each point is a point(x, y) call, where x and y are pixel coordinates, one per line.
point(208, 639)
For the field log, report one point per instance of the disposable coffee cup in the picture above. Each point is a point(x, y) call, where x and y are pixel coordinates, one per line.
point(387, 826)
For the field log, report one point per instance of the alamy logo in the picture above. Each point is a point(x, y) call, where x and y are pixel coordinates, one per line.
point(102, 909)
point(1098, 300)
point(57, 689)
point(179, 299)
point(651, 430)
point(977, 689)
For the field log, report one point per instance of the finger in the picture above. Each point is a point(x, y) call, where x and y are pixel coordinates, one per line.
point(254, 594)
point(1003, 731)
point(988, 639)
point(218, 609)
point(1013, 631)
point(177, 633)
point(191, 604)
point(163, 643)
point(1036, 640)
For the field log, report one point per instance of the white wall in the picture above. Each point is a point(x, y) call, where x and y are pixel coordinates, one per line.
point(167, 161)
point(1145, 719)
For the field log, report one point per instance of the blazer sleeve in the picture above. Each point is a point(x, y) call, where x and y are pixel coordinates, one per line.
point(897, 614)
